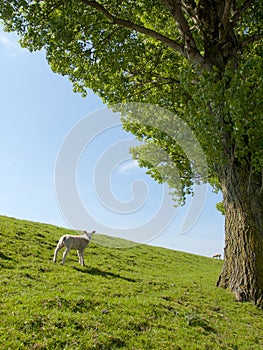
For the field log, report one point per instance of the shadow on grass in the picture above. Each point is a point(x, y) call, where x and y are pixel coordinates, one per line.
point(193, 319)
point(4, 257)
point(97, 272)
point(208, 328)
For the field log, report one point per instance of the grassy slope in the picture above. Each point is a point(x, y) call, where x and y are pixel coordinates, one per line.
point(137, 298)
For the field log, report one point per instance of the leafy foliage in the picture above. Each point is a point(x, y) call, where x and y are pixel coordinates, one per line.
point(202, 62)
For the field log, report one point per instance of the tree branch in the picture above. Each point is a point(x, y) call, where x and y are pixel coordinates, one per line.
point(189, 7)
point(226, 13)
point(251, 39)
point(177, 13)
point(189, 50)
point(138, 28)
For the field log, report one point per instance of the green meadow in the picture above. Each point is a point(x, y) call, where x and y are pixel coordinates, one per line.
point(134, 298)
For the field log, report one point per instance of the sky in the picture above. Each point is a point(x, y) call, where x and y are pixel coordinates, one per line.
point(65, 161)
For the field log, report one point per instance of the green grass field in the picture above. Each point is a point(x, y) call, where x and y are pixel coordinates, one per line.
point(128, 298)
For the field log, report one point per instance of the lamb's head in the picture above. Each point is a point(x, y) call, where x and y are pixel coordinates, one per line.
point(88, 235)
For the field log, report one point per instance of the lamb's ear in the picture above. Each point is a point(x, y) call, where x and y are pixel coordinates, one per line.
point(85, 232)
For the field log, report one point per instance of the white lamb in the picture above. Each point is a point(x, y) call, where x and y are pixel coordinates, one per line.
point(73, 242)
point(217, 256)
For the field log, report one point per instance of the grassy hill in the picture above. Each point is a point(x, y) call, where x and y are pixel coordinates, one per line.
point(132, 298)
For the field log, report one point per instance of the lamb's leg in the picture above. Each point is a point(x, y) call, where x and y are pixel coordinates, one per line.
point(81, 257)
point(56, 253)
point(65, 255)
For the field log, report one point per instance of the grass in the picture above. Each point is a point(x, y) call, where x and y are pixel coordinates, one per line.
point(131, 298)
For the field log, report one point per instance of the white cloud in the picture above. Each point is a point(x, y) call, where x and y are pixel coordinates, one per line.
point(128, 166)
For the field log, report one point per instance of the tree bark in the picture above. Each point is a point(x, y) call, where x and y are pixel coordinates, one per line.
point(243, 256)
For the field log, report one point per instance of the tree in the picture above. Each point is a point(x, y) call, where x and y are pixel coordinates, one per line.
point(200, 59)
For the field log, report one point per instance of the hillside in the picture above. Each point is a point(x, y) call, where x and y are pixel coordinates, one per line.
point(131, 298)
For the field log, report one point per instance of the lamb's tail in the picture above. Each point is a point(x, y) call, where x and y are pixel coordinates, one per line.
point(61, 242)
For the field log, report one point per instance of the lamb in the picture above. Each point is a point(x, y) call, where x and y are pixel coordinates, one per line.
point(218, 256)
point(73, 242)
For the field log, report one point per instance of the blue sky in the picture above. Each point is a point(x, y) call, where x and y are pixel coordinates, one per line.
point(39, 113)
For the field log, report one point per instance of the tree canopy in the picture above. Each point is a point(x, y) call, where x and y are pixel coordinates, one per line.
point(197, 59)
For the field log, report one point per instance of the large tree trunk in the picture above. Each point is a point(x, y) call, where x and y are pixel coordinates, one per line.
point(243, 257)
